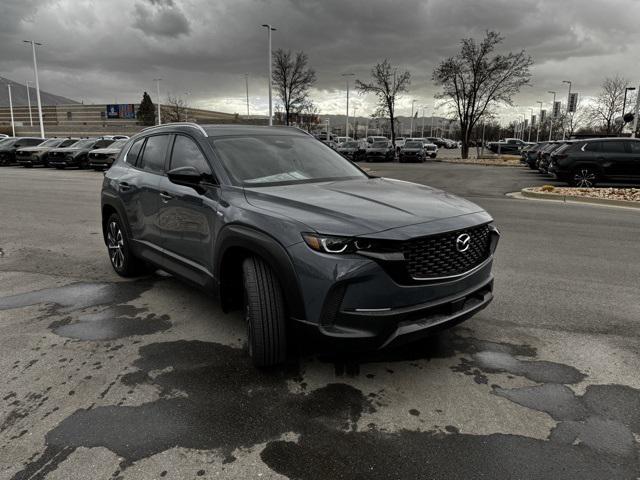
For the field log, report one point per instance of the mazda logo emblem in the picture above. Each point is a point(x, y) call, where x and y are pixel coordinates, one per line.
point(463, 242)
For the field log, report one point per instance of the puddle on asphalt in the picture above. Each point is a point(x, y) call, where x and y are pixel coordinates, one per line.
point(227, 404)
point(114, 320)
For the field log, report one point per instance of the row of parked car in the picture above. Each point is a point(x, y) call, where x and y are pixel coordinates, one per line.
point(380, 149)
point(96, 152)
point(586, 162)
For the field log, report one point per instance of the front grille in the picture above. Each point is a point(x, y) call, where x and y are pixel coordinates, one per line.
point(437, 255)
point(97, 156)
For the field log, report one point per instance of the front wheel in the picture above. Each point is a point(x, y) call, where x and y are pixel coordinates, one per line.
point(585, 177)
point(264, 310)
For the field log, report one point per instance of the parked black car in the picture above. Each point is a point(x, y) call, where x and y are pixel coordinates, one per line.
point(545, 155)
point(529, 156)
point(437, 141)
point(413, 151)
point(508, 146)
point(102, 158)
point(585, 163)
point(351, 150)
point(76, 155)
point(9, 146)
point(379, 151)
point(38, 155)
point(280, 225)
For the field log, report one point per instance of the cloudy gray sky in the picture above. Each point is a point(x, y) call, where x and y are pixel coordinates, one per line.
point(110, 50)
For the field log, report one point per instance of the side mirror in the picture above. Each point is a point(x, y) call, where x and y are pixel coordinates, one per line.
point(188, 177)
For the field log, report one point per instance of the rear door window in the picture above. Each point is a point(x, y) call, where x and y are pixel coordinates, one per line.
point(592, 147)
point(613, 147)
point(635, 147)
point(154, 154)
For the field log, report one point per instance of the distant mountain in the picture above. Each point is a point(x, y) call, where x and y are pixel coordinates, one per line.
point(19, 95)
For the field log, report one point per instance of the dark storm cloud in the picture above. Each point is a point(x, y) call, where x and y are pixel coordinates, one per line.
point(160, 18)
point(112, 49)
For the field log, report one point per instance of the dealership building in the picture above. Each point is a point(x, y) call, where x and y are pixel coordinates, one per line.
point(83, 120)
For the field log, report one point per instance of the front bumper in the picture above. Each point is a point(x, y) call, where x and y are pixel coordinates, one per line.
point(353, 302)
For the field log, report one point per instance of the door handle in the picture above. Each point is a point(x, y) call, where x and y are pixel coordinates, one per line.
point(124, 186)
point(165, 197)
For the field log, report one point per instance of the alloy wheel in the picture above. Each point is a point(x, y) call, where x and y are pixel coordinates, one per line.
point(584, 178)
point(115, 243)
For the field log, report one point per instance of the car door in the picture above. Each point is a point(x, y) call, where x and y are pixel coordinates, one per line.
point(614, 159)
point(139, 189)
point(188, 218)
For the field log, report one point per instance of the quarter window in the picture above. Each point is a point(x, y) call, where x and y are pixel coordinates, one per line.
point(154, 153)
point(592, 147)
point(187, 154)
point(134, 151)
point(635, 147)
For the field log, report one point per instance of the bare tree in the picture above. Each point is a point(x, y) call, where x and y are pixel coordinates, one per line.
point(175, 110)
point(475, 80)
point(608, 104)
point(292, 80)
point(387, 85)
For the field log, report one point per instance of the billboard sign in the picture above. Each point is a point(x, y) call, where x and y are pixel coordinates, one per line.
point(573, 103)
point(123, 110)
point(557, 106)
point(533, 120)
point(543, 116)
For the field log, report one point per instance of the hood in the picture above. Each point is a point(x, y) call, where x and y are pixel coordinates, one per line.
point(68, 150)
point(359, 207)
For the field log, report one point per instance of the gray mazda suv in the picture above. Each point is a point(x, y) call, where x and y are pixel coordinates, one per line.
point(277, 224)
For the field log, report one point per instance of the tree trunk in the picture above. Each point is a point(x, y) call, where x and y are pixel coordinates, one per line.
point(465, 133)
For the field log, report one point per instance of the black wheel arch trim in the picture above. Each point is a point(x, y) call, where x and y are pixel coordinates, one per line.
point(271, 251)
point(112, 201)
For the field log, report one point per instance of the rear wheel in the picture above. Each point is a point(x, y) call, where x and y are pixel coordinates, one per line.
point(584, 177)
point(123, 261)
point(265, 316)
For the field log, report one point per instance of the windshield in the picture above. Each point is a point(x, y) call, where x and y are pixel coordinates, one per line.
point(413, 145)
point(379, 144)
point(118, 144)
point(5, 142)
point(279, 159)
point(83, 144)
point(52, 142)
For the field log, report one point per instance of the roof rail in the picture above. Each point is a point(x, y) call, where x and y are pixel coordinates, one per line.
point(184, 124)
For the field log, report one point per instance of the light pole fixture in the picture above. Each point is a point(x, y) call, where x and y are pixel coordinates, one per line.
point(35, 68)
point(346, 126)
point(158, 80)
point(553, 106)
point(29, 102)
point(13, 125)
point(530, 123)
point(269, 30)
point(568, 101)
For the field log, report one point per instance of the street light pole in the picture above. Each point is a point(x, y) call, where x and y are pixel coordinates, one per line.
point(551, 118)
point(35, 68)
point(246, 84)
point(539, 122)
point(424, 107)
point(530, 125)
point(624, 103)
point(432, 112)
point(346, 126)
point(158, 80)
point(413, 102)
point(269, 30)
point(13, 125)
point(567, 112)
point(29, 103)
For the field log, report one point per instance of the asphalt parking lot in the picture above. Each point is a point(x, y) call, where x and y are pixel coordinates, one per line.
point(145, 379)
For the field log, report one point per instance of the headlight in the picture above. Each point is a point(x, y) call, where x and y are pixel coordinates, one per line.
point(329, 244)
point(337, 245)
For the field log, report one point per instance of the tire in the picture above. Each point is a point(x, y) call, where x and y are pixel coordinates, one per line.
point(265, 316)
point(122, 259)
point(83, 164)
point(584, 177)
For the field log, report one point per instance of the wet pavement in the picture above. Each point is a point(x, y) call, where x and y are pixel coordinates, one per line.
point(146, 379)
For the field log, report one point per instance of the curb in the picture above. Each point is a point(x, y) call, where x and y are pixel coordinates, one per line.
point(526, 192)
